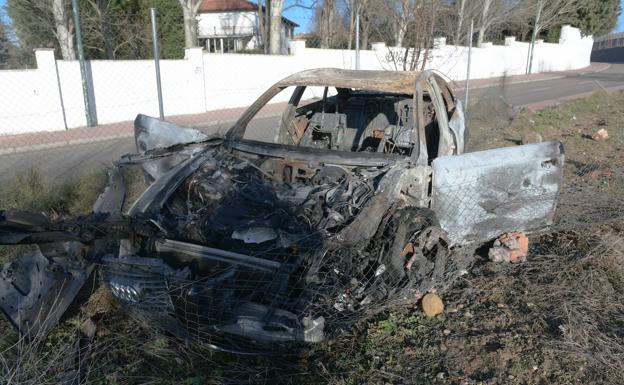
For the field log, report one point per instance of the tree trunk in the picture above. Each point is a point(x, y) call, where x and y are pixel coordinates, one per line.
point(402, 28)
point(63, 34)
point(484, 21)
point(267, 27)
point(261, 32)
point(351, 24)
point(276, 27)
point(460, 21)
point(365, 33)
point(105, 26)
point(189, 28)
point(189, 10)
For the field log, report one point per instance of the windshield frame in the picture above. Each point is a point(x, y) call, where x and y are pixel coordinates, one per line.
point(235, 140)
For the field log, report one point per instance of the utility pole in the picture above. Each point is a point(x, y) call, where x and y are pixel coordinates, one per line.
point(469, 63)
point(157, 62)
point(357, 40)
point(538, 15)
point(83, 68)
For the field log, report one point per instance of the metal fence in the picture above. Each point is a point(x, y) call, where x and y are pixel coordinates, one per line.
point(613, 40)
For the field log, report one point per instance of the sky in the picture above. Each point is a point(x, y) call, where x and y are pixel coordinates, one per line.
point(620, 27)
point(303, 16)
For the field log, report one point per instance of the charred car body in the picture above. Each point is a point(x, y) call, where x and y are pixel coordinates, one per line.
point(287, 230)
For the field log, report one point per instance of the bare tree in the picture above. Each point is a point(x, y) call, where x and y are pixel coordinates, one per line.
point(552, 12)
point(547, 14)
point(495, 13)
point(326, 21)
point(419, 30)
point(402, 21)
point(109, 30)
point(462, 11)
point(44, 22)
point(189, 11)
point(353, 9)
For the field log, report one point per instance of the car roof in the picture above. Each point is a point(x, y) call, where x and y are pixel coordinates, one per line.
point(388, 81)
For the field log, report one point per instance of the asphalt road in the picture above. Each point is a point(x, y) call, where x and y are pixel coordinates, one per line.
point(523, 94)
point(64, 162)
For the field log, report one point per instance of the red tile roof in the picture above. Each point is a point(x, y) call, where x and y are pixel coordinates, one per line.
point(227, 5)
point(233, 5)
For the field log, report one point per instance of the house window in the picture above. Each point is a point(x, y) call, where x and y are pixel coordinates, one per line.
point(222, 44)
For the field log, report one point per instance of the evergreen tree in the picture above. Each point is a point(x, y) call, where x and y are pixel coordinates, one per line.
point(6, 46)
point(170, 27)
point(597, 17)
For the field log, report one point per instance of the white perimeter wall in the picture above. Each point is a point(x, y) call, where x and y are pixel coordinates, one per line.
point(50, 98)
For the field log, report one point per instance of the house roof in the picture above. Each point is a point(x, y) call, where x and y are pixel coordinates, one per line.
point(208, 6)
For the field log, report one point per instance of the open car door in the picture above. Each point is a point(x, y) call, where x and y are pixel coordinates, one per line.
point(478, 196)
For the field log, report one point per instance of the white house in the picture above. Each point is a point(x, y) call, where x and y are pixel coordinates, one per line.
point(233, 25)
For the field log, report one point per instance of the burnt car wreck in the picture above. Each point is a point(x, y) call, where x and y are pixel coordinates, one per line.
point(288, 231)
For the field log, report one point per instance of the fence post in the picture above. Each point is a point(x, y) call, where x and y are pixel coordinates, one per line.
point(357, 41)
point(157, 62)
point(50, 89)
point(83, 68)
point(468, 69)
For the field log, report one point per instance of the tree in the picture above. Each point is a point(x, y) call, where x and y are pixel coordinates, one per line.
point(6, 46)
point(597, 17)
point(115, 29)
point(420, 25)
point(494, 13)
point(44, 23)
point(275, 27)
point(547, 14)
point(189, 13)
point(171, 36)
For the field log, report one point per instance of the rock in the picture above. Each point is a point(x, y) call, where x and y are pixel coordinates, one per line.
point(531, 137)
point(432, 304)
point(510, 247)
point(446, 332)
point(600, 135)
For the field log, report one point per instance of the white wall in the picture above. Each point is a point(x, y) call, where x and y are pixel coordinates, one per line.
point(50, 97)
point(220, 24)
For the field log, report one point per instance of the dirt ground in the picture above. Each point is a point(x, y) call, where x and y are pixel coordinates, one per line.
point(556, 319)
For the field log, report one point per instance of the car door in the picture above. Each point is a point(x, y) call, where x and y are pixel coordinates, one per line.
point(479, 195)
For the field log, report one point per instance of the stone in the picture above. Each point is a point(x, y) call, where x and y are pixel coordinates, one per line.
point(510, 247)
point(432, 304)
point(600, 135)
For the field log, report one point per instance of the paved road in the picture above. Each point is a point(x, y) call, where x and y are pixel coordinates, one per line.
point(528, 93)
point(64, 162)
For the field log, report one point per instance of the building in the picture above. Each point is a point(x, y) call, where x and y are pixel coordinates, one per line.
point(233, 26)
